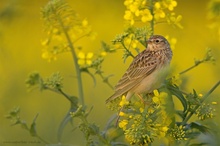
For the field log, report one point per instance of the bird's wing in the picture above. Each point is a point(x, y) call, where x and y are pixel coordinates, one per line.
point(142, 66)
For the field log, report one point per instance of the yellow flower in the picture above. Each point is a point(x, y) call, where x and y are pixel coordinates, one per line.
point(214, 103)
point(150, 110)
point(157, 5)
point(146, 15)
point(103, 54)
point(156, 93)
point(127, 2)
point(123, 101)
point(45, 42)
point(155, 99)
point(123, 124)
point(49, 56)
point(131, 42)
point(134, 43)
point(200, 95)
point(134, 7)
point(141, 110)
point(158, 13)
point(165, 128)
point(128, 15)
point(84, 23)
point(121, 114)
point(178, 132)
point(172, 19)
point(85, 59)
point(170, 4)
point(163, 131)
point(159, 97)
point(137, 13)
point(175, 80)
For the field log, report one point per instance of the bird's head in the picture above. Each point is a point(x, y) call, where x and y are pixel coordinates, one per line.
point(157, 42)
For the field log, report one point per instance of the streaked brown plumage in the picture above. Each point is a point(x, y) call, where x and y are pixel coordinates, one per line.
point(147, 71)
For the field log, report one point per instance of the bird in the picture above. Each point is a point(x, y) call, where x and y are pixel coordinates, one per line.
point(147, 71)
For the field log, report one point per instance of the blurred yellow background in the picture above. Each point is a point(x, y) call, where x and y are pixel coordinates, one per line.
point(21, 33)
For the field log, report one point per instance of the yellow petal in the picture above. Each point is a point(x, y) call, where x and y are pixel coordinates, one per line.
point(156, 93)
point(81, 55)
point(84, 23)
point(89, 55)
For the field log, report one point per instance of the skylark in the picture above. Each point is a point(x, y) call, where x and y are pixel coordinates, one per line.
point(147, 71)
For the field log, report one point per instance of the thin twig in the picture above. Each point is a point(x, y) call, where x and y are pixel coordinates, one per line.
point(129, 52)
point(190, 68)
point(106, 81)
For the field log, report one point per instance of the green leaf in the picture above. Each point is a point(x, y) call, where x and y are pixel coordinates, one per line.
point(180, 113)
point(176, 92)
point(24, 125)
point(68, 118)
point(33, 130)
point(169, 105)
point(200, 127)
point(34, 80)
point(93, 129)
point(193, 135)
point(107, 48)
point(199, 144)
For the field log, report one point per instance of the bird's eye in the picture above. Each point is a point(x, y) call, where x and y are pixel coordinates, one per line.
point(157, 41)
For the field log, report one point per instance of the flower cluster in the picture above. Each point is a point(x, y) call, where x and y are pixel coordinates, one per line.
point(205, 111)
point(193, 100)
point(151, 11)
point(176, 80)
point(143, 123)
point(85, 59)
point(178, 132)
point(62, 25)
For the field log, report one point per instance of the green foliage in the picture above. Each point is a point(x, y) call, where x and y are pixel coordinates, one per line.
point(54, 81)
point(14, 116)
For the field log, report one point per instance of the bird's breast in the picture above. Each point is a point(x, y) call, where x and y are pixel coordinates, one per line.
point(152, 81)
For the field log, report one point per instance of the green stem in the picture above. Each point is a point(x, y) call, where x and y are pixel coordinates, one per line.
point(202, 100)
point(129, 52)
point(75, 60)
point(41, 139)
point(101, 138)
point(190, 68)
point(106, 81)
point(59, 91)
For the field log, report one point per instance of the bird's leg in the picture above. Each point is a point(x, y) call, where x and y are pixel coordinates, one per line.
point(141, 98)
point(143, 101)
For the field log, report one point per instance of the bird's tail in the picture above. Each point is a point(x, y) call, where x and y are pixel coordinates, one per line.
point(114, 96)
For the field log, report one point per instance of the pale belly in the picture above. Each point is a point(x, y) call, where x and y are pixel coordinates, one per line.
point(152, 82)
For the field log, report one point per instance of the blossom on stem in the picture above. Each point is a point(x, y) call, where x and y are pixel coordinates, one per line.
point(85, 59)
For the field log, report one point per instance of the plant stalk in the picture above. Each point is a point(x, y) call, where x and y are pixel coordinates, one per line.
point(190, 68)
point(75, 60)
